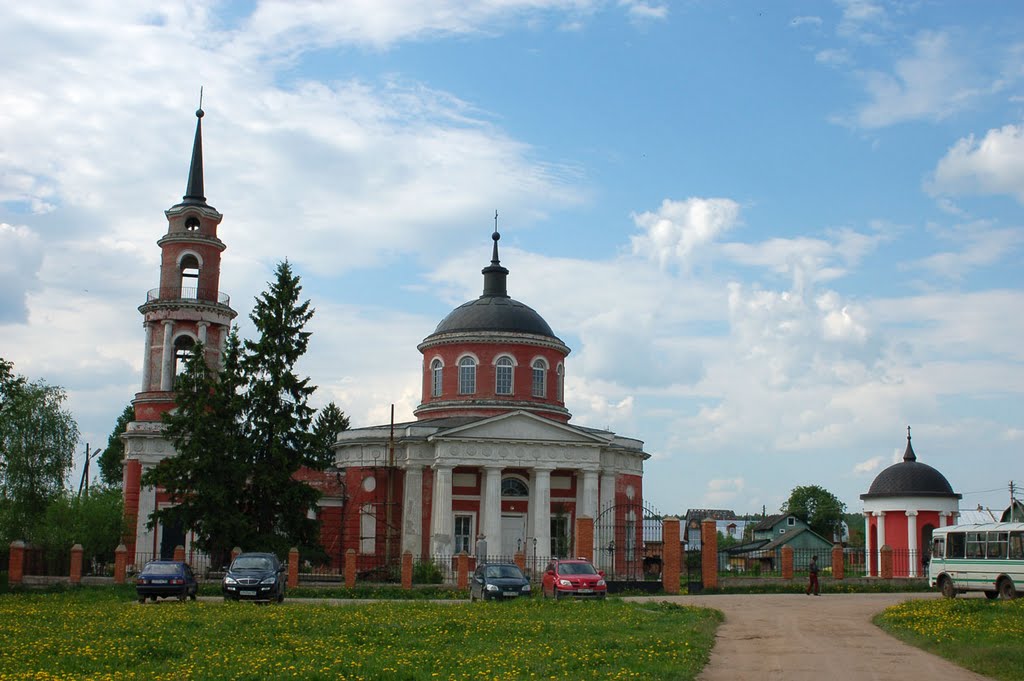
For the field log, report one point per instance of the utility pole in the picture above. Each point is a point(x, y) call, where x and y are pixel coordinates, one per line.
point(84, 482)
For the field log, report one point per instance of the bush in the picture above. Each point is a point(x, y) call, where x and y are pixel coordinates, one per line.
point(426, 573)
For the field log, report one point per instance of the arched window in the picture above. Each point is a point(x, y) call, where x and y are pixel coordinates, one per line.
point(561, 383)
point(183, 346)
point(540, 373)
point(435, 377)
point(514, 487)
point(467, 376)
point(189, 276)
point(503, 376)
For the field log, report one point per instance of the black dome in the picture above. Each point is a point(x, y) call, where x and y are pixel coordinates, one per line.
point(909, 478)
point(494, 313)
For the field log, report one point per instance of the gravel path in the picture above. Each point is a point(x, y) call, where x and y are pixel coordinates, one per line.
point(792, 637)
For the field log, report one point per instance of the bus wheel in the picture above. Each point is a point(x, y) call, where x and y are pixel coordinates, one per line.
point(946, 586)
point(1007, 590)
point(991, 595)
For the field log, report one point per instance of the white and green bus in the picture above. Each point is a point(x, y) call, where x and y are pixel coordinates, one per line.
point(986, 557)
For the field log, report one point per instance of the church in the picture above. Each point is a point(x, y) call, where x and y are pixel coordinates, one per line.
point(491, 454)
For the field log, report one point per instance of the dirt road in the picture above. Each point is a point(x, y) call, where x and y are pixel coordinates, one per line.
point(792, 637)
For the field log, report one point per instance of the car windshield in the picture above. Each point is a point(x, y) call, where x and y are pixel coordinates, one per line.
point(162, 569)
point(502, 572)
point(252, 563)
point(576, 569)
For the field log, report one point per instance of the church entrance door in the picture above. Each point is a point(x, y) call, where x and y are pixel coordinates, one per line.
point(513, 534)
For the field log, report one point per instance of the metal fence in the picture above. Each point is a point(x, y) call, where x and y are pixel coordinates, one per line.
point(856, 562)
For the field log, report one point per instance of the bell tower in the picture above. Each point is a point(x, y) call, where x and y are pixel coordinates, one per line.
point(185, 310)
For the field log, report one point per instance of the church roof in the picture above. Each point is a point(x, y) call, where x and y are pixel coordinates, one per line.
point(910, 478)
point(494, 310)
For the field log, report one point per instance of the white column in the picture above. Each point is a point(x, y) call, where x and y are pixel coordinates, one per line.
point(167, 360)
point(912, 541)
point(881, 540)
point(491, 508)
point(589, 506)
point(540, 506)
point(147, 356)
point(441, 521)
point(607, 491)
point(145, 538)
point(867, 541)
point(412, 512)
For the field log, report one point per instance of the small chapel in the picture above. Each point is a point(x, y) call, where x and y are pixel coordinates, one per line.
point(491, 459)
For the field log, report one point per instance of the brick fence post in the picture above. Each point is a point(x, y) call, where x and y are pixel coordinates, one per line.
point(584, 538)
point(350, 569)
point(886, 572)
point(787, 562)
point(520, 560)
point(838, 568)
point(709, 553)
point(16, 563)
point(407, 570)
point(76, 564)
point(293, 568)
point(179, 553)
point(462, 568)
point(120, 563)
point(671, 555)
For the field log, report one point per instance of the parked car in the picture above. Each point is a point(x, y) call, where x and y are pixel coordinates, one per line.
point(498, 581)
point(255, 577)
point(166, 579)
point(575, 578)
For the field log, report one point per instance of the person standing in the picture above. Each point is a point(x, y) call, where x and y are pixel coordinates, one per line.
point(812, 571)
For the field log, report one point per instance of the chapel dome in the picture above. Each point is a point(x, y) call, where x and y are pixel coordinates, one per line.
point(494, 313)
point(910, 478)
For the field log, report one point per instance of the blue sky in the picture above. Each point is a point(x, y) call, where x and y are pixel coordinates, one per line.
point(773, 233)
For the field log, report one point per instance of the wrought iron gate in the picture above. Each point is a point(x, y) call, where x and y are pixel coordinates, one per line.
point(693, 566)
point(628, 546)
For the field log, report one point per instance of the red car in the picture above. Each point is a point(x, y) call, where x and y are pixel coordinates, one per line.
point(575, 577)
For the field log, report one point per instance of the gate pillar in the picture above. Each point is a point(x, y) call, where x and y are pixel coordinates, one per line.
point(787, 562)
point(838, 571)
point(584, 538)
point(709, 553)
point(670, 556)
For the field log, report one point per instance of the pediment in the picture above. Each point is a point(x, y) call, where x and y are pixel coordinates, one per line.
point(519, 426)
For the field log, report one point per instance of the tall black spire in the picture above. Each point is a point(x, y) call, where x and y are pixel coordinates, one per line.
point(494, 274)
point(909, 454)
point(194, 191)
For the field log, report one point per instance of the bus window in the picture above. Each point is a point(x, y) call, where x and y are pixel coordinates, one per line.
point(956, 545)
point(976, 544)
point(938, 548)
point(1017, 545)
point(996, 545)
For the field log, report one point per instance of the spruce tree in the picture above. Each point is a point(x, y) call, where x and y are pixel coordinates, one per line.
point(111, 460)
point(207, 479)
point(278, 418)
point(329, 422)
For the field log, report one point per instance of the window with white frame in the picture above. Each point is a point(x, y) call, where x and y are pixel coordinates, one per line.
point(540, 373)
point(463, 533)
point(436, 368)
point(467, 376)
point(514, 487)
point(503, 376)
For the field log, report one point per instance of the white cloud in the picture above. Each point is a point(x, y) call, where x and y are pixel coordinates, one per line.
point(930, 84)
point(993, 165)
point(869, 466)
point(972, 246)
point(21, 256)
point(833, 57)
point(639, 10)
point(679, 228)
point(722, 492)
point(805, 21)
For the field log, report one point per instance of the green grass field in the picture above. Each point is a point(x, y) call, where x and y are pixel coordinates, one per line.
point(984, 636)
point(101, 634)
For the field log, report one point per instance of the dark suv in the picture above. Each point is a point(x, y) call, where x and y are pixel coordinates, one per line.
point(255, 577)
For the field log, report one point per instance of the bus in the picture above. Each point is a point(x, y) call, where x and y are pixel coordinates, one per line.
point(985, 557)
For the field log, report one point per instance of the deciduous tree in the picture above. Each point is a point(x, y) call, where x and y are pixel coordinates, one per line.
point(818, 507)
point(112, 458)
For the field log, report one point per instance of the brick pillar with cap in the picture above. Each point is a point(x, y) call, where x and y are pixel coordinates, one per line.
point(886, 572)
point(120, 563)
point(16, 563)
point(787, 562)
point(584, 538)
point(709, 553)
point(671, 555)
point(462, 568)
point(407, 570)
point(838, 569)
point(350, 568)
point(76, 564)
point(293, 568)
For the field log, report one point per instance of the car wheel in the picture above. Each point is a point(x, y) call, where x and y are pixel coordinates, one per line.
point(946, 586)
point(1007, 590)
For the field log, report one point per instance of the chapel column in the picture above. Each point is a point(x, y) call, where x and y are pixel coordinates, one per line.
point(589, 505)
point(412, 511)
point(911, 534)
point(492, 509)
point(607, 491)
point(881, 540)
point(147, 369)
point(867, 542)
point(441, 522)
point(540, 506)
point(167, 360)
